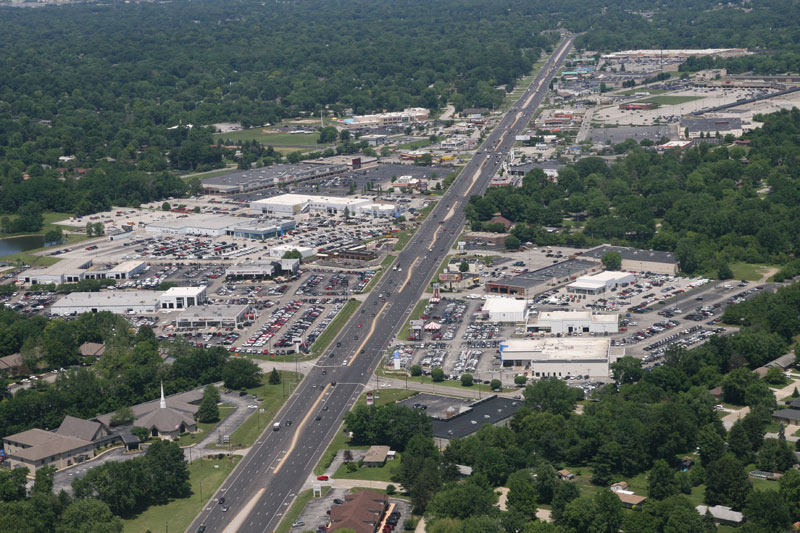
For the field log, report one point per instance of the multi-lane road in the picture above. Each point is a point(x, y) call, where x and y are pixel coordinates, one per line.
point(264, 484)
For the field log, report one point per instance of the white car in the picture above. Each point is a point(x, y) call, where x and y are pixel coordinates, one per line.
point(252, 406)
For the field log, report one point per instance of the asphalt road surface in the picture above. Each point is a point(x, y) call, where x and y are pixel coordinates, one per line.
point(264, 484)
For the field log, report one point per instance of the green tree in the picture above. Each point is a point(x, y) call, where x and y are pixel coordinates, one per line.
point(789, 488)
point(463, 267)
point(661, 481)
point(292, 254)
point(462, 501)
point(241, 373)
point(727, 483)
point(512, 243)
point(416, 370)
point(89, 229)
point(545, 483)
point(43, 483)
point(99, 229)
point(724, 272)
point(519, 379)
point(141, 433)
point(552, 395)
point(166, 206)
point(169, 471)
point(467, 380)
point(495, 384)
point(612, 260)
point(122, 417)
point(627, 370)
point(208, 410)
point(88, 515)
point(711, 444)
point(274, 377)
point(768, 510)
point(54, 236)
point(563, 493)
point(522, 494)
point(437, 374)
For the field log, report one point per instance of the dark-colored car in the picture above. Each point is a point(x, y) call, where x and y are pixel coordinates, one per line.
point(221, 501)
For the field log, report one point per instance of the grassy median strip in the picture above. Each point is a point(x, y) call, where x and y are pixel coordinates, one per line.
point(205, 478)
point(296, 509)
point(402, 335)
point(333, 329)
point(385, 264)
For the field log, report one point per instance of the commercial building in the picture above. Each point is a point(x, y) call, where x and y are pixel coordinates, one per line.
point(407, 116)
point(119, 302)
point(271, 176)
point(601, 282)
point(261, 229)
point(278, 251)
point(215, 315)
point(463, 422)
point(560, 357)
point(295, 204)
point(506, 310)
point(182, 297)
point(362, 512)
point(65, 271)
point(529, 284)
point(567, 322)
point(126, 270)
point(203, 225)
point(711, 126)
point(261, 269)
point(634, 260)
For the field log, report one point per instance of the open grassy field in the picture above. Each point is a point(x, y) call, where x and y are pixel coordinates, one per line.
point(272, 398)
point(271, 137)
point(750, 272)
point(210, 173)
point(204, 427)
point(205, 477)
point(380, 473)
point(667, 99)
point(631, 92)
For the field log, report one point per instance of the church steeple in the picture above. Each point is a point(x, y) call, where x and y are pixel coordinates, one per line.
point(163, 400)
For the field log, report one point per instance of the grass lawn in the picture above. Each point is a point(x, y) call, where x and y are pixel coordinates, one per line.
point(414, 145)
point(263, 136)
point(334, 327)
point(670, 100)
point(403, 236)
point(272, 398)
point(426, 380)
point(387, 396)
point(763, 484)
point(297, 508)
point(178, 514)
point(749, 272)
point(386, 263)
point(382, 473)
point(205, 427)
point(402, 335)
point(210, 173)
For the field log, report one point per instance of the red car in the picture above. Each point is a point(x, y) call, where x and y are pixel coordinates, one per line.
point(322, 478)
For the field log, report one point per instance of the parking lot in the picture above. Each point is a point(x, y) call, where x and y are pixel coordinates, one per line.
point(314, 516)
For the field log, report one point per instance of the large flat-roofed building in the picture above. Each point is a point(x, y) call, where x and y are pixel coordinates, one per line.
point(529, 284)
point(263, 229)
point(601, 282)
point(203, 225)
point(65, 271)
point(406, 116)
point(295, 204)
point(506, 310)
point(560, 357)
point(634, 260)
point(711, 125)
point(463, 421)
point(119, 302)
point(567, 322)
point(182, 297)
point(277, 252)
point(260, 269)
point(265, 177)
point(216, 315)
point(126, 270)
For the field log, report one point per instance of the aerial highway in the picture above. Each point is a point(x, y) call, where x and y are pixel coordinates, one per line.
point(264, 484)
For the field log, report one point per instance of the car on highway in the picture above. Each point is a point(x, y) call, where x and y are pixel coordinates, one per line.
point(225, 509)
point(318, 418)
point(221, 501)
point(322, 478)
point(359, 325)
point(201, 528)
point(299, 523)
point(288, 422)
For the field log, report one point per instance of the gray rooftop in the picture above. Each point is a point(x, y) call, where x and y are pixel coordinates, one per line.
point(564, 269)
point(243, 178)
point(711, 125)
point(107, 299)
point(632, 254)
point(490, 411)
point(215, 311)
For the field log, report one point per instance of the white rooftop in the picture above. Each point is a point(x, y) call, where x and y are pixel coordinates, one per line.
point(606, 275)
point(504, 305)
point(183, 291)
point(104, 299)
point(587, 316)
point(198, 221)
point(558, 349)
